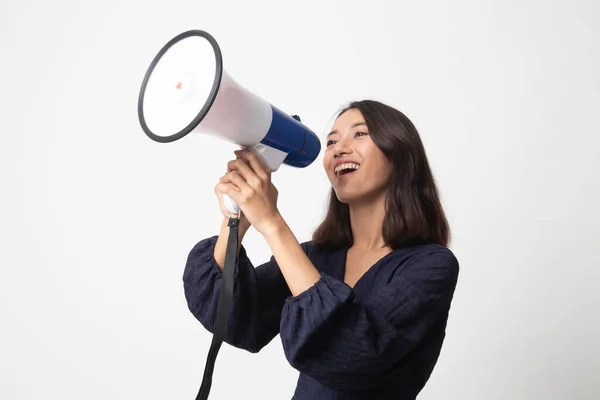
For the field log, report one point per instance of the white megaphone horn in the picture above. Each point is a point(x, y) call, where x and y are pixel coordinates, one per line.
point(187, 90)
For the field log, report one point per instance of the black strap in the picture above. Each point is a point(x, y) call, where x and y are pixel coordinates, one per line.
point(223, 309)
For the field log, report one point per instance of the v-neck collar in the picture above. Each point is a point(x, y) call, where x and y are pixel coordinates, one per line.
point(336, 265)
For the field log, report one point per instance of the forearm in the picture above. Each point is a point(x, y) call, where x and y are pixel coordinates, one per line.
point(221, 245)
point(299, 272)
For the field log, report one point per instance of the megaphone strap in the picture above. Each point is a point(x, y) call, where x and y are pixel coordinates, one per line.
point(223, 309)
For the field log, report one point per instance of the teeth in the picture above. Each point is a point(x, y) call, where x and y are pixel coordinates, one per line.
point(346, 166)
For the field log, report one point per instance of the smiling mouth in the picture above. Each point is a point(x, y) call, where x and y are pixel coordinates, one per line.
point(345, 169)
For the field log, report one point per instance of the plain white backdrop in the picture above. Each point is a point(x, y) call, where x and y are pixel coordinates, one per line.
point(97, 220)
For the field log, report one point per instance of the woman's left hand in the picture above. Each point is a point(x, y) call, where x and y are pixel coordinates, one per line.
point(249, 184)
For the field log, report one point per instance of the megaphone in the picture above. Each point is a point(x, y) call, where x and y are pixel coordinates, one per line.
point(186, 90)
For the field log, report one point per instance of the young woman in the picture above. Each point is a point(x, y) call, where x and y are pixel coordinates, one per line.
point(362, 308)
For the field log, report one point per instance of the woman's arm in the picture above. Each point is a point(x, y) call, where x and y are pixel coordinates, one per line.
point(248, 182)
point(258, 295)
point(299, 272)
point(221, 245)
point(348, 343)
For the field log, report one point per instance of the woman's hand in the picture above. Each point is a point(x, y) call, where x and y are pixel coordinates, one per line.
point(244, 224)
point(249, 184)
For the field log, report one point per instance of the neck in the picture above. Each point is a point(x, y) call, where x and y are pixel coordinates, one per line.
point(366, 220)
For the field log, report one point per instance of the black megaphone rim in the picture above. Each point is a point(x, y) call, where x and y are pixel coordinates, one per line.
point(209, 101)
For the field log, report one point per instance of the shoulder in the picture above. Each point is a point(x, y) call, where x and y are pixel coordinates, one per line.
point(434, 253)
point(427, 259)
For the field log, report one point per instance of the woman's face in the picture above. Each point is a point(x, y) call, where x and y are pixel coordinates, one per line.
point(358, 171)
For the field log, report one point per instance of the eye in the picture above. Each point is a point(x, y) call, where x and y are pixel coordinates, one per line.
point(330, 142)
point(361, 134)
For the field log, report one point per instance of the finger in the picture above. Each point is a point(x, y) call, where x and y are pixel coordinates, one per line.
point(254, 163)
point(233, 192)
point(225, 178)
point(222, 188)
point(228, 178)
point(241, 166)
point(229, 189)
point(236, 179)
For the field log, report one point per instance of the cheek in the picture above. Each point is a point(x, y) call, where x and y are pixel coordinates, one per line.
point(386, 168)
point(326, 160)
point(383, 165)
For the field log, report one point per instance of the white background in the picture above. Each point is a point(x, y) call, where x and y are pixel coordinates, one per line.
point(97, 220)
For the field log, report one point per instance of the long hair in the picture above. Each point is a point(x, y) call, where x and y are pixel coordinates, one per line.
point(414, 214)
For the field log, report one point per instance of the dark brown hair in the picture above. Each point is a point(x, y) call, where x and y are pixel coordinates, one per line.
point(414, 214)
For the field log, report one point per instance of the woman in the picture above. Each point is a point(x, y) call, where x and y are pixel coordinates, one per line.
point(362, 308)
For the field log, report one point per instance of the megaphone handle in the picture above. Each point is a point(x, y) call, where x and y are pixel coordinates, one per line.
point(231, 205)
point(269, 157)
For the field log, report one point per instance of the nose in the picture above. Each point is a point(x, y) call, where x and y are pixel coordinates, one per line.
point(341, 148)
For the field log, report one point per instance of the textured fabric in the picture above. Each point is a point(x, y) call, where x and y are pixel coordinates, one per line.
point(378, 340)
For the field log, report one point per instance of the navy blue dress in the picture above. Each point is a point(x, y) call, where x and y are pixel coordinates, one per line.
point(378, 340)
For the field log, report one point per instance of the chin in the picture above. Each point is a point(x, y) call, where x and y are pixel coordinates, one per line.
point(347, 198)
point(359, 198)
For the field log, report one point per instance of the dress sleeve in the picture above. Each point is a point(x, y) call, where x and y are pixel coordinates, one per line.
point(345, 343)
point(258, 296)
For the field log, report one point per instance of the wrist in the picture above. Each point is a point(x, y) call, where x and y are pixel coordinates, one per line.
point(274, 227)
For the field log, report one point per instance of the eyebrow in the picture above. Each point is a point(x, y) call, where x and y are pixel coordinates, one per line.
point(353, 126)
